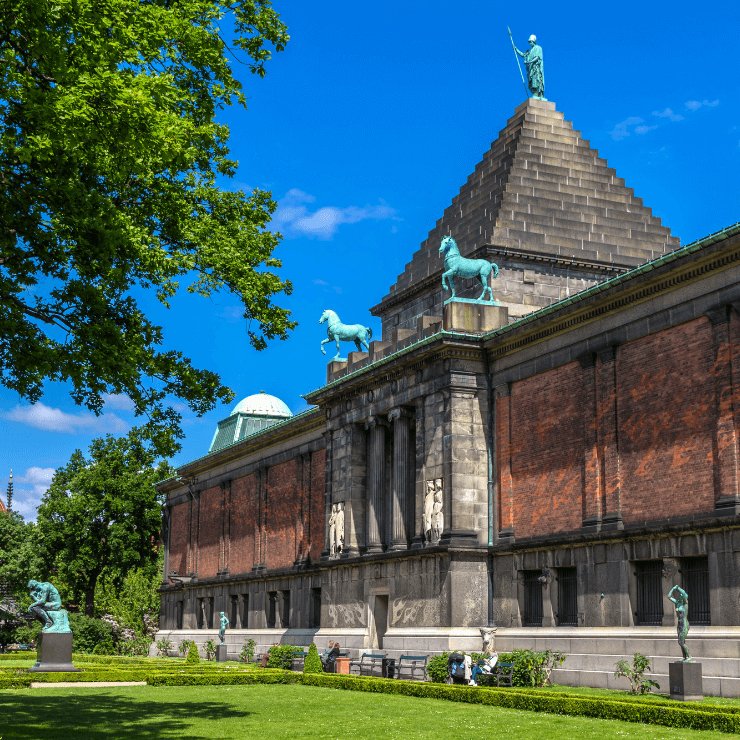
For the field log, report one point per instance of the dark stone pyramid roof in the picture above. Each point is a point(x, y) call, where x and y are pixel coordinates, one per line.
point(542, 192)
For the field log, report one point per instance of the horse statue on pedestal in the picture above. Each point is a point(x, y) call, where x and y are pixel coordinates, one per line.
point(463, 267)
point(336, 331)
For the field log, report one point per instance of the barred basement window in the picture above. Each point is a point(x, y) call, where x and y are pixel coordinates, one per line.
point(532, 616)
point(315, 608)
point(695, 577)
point(567, 597)
point(234, 612)
point(271, 609)
point(649, 592)
point(178, 614)
point(285, 616)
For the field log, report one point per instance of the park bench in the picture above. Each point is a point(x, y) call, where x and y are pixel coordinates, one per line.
point(367, 662)
point(412, 663)
point(503, 675)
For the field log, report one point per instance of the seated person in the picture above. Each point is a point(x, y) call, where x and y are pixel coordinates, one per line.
point(484, 667)
point(266, 656)
point(329, 658)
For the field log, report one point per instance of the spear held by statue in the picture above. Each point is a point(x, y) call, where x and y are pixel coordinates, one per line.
point(518, 64)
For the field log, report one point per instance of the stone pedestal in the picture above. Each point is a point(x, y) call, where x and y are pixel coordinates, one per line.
point(474, 317)
point(54, 654)
point(221, 653)
point(342, 666)
point(684, 681)
point(335, 369)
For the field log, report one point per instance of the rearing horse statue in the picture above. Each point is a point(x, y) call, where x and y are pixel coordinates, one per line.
point(336, 330)
point(457, 265)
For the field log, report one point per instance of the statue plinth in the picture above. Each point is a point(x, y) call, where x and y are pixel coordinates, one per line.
point(55, 654)
point(684, 681)
point(221, 653)
point(474, 316)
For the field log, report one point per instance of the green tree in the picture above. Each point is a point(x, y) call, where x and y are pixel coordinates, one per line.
point(109, 158)
point(21, 555)
point(312, 664)
point(101, 514)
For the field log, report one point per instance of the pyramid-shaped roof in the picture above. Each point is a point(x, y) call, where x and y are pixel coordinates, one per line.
point(541, 192)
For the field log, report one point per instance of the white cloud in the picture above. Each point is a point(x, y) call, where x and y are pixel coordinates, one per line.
point(668, 113)
point(644, 129)
point(620, 130)
point(232, 314)
point(28, 490)
point(319, 282)
point(696, 104)
point(118, 401)
point(44, 417)
point(293, 218)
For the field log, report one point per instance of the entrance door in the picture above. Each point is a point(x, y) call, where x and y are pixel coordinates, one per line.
point(380, 616)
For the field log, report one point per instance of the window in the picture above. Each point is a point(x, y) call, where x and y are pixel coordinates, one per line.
point(245, 612)
point(271, 609)
point(315, 620)
point(178, 615)
point(205, 612)
point(649, 592)
point(567, 597)
point(285, 613)
point(234, 612)
point(532, 616)
point(695, 577)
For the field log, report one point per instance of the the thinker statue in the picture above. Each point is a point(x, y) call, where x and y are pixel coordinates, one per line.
point(222, 631)
point(682, 608)
point(47, 607)
point(535, 67)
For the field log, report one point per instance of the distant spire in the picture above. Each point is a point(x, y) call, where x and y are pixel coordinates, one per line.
point(9, 493)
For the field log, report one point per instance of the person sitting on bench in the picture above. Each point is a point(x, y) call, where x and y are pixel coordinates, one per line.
point(329, 659)
point(484, 667)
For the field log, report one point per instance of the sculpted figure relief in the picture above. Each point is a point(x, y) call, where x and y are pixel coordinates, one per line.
point(336, 529)
point(488, 635)
point(428, 510)
point(47, 607)
point(438, 520)
point(433, 516)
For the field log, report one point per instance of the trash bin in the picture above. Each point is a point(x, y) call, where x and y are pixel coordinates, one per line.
point(389, 668)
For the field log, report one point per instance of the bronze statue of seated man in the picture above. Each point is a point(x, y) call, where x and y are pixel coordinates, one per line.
point(47, 607)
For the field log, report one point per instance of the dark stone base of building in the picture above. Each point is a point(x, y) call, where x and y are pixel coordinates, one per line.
point(55, 654)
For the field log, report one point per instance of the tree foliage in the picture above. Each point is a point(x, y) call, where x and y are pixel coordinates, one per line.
point(109, 158)
point(101, 514)
point(21, 555)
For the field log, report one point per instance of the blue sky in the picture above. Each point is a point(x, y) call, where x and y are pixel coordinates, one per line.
point(364, 129)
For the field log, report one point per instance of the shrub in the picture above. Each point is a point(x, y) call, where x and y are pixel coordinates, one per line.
point(281, 656)
point(437, 668)
point(184, 646)
point(210, 649)
point(312, 664)
point(636, 674)
point(163, 647)
point(532, 668)
point(193, 656)
point(138, 645)
point(91, 635)
point(247, 652)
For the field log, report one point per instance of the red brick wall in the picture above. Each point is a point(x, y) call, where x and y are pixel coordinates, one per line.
point(282, 508)
point(643, 432)
point(316, 525)
point(666, 417)
point(211, 529)
point(243, 513)
point(179, 529)
point(547, 452)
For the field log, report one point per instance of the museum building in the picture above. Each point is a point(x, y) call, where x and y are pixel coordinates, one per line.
point(551, 465)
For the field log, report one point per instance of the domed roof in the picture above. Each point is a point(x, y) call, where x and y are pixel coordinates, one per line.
point(262, 404)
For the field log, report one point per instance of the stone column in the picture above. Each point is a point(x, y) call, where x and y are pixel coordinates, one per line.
point(195, 534)
point(260, 485)
point(724, 444)
point(226, 527)
point(328, 439)
point(504, 480)
point(608, 439)
point(375, 483)
point(401, 462)
point(166, 527)
point(419, 478)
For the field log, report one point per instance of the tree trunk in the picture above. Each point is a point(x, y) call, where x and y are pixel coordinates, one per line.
point(90, 597)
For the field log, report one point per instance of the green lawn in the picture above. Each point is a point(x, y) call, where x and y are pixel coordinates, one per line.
point(151, 713)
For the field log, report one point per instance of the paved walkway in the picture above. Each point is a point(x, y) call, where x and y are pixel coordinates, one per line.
point(85, 684)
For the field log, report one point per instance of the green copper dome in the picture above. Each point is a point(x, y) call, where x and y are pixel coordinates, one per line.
point(251, 415)
point(262, 404)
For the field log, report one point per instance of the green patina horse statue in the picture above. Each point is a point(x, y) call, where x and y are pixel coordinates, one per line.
point(336, 331)
point(455, 265)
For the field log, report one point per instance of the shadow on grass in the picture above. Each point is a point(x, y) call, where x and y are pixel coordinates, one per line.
point(31, 715)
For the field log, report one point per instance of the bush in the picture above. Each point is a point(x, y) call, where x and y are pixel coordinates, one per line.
point(184, 647)
point(281, 656)
point(193, 656)
point(532, 668)
point(437, 668)
point(247, 652)
point(210, 649)
point(91, 635)
point(636, 674)
point(163, 647)
point(312, 664)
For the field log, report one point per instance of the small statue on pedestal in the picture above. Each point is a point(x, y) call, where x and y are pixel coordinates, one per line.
point(47, 607)
point(222, 631)
point(682, 609)
point(458, 266)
